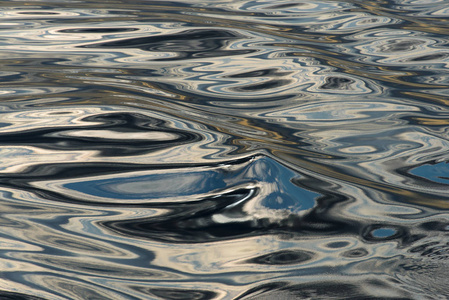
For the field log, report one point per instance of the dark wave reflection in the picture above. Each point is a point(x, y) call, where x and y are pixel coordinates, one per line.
point(224, 149)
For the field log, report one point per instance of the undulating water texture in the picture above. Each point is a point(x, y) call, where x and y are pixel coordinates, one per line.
point(224, 149)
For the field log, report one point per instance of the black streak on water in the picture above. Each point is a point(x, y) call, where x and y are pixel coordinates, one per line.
point(188, 44)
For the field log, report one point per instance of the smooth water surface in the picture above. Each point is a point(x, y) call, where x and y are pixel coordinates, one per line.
point(224, 149)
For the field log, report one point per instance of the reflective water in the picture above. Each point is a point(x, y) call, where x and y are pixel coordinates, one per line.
point(224, 149)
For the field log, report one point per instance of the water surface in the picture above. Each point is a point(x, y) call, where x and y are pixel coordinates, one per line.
point(224, 149)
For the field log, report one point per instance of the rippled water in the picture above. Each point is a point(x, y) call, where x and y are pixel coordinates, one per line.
point(224, 149)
